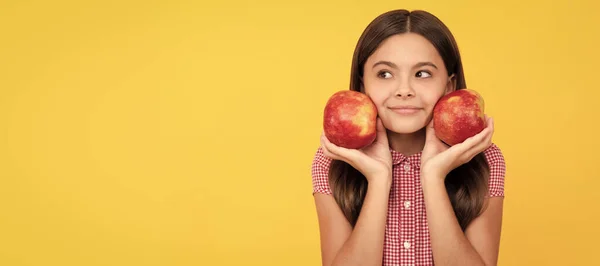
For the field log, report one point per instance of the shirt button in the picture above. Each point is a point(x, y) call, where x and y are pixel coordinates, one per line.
point(406, 167)
point(406, 245)
point(407, 204)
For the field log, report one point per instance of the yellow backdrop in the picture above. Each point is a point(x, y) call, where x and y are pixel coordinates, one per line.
point(181, 133)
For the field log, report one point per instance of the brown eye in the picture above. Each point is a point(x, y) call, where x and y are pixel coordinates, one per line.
point(384, 74)
point(423, 74)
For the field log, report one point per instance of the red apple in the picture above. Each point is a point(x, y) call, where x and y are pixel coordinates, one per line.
point(458, 115)
point(350, 119)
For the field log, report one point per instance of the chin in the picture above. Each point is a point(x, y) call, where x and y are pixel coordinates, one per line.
point(404, 125)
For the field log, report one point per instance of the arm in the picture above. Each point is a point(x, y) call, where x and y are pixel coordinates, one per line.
point(479, 245)
point(363, 245)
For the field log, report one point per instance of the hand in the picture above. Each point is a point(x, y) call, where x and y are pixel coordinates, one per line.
point(439, 158)
point(372, 161)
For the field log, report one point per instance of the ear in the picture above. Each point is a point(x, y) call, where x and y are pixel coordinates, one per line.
point(451, 85)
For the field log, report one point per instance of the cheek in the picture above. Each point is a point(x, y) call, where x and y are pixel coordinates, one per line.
point(374, 92)
point(430, 98)
point(377, 97)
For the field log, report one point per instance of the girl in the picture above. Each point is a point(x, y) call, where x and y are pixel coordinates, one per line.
point(409, 199)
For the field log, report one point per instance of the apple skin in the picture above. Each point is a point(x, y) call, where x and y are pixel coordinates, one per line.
point(350, 119)
point(459, 115)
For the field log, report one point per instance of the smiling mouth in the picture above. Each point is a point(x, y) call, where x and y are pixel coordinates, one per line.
point(405, 110)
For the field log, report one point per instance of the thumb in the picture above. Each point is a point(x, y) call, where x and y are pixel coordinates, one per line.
point(430, 133)
point(429, 130)
point(381, 132)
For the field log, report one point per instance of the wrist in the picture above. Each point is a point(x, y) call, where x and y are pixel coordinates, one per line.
point(433, 170)
point(381, 181)
point(432, 178)
point(432, 185)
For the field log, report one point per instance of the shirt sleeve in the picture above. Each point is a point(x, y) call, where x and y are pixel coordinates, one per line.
point(320, 173)
point(495, 159)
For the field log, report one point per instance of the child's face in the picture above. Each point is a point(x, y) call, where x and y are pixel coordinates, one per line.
point(406, 70)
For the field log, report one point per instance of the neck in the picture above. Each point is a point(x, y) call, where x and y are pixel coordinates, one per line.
point(407, 144)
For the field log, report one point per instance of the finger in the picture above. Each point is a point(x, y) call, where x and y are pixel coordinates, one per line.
point(486, 135)
point(340, 153)
point(431, 137)
point(487, 141)
point(326, 150)
point(468, 147)
point(478, 143)
point(381, 132)
point(429, 130)
point(492, 124)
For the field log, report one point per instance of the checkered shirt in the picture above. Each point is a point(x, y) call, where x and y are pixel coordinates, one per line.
point(407, 240)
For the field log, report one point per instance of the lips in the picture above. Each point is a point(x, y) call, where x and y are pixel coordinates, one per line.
point(405, 109)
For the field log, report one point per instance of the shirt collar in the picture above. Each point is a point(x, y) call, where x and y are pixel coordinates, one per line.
point(398, 158)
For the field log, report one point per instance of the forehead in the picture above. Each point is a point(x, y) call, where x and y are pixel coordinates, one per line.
point(406, 50)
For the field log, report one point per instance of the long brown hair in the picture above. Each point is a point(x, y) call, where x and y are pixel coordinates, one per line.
point(467, 184)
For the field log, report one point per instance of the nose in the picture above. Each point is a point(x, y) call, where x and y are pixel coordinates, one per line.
point(405, 91)
point(405, 95)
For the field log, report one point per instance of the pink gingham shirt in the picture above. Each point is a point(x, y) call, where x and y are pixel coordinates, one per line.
point(407, 239)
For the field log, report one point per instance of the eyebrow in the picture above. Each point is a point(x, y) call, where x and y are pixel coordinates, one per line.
point(387, 63)
point(421, 64)
point(392, 65)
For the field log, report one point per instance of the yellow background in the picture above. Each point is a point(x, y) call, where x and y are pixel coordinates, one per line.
point(181, 133)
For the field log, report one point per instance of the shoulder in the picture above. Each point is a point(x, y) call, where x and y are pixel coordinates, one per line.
point(497, 167)
point(320, 160)
point(494, 155)
point(320, 172)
